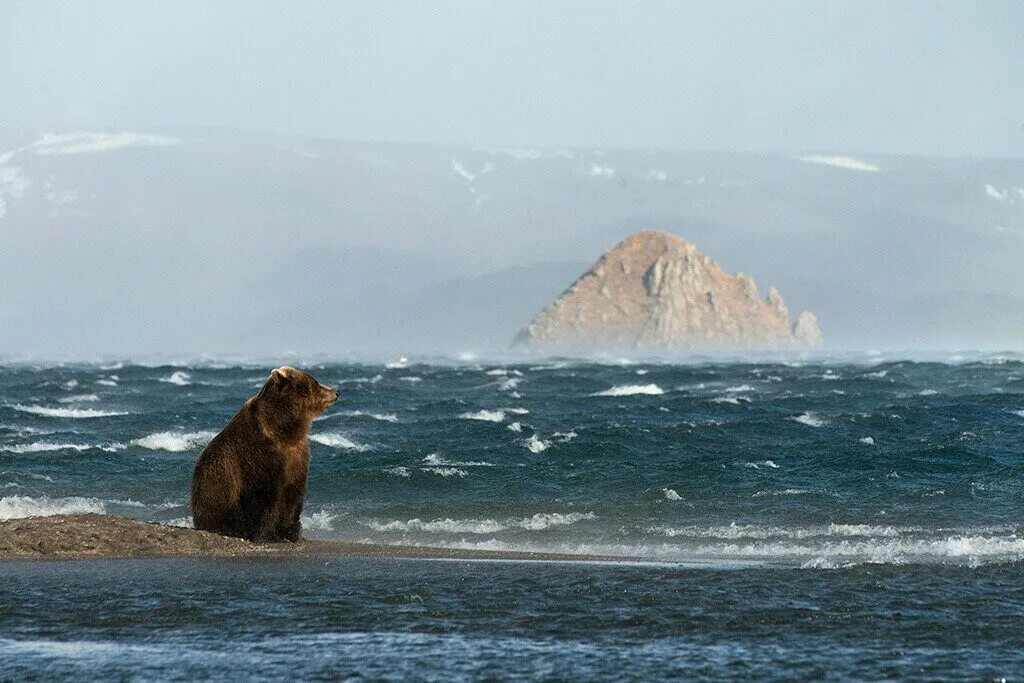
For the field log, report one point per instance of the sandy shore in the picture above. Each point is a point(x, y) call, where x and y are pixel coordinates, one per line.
point(64, 537)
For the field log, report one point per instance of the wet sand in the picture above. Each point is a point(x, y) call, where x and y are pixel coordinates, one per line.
point(66, 537)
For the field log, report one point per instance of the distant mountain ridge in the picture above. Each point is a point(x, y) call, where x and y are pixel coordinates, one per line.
point(213, 240)
point(654, 290)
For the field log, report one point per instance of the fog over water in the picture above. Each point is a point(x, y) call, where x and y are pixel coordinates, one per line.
point(320, 178)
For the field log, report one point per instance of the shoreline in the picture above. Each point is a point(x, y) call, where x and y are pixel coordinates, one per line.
point(109, 537)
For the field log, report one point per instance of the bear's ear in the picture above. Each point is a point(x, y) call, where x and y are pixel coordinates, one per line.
point(280, 376)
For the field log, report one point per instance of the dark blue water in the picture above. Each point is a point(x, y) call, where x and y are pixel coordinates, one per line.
point(855, 518)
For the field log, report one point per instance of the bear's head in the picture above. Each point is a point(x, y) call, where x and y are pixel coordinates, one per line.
point(294, 396)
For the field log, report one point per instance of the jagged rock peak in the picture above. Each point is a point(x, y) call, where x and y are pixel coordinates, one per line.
point(656, 290)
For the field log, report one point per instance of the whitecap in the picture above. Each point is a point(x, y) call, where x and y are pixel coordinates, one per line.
point(79, 398)
point(784, 492)
point(48, 447)
point(399, 471)
point(411, 378)
point(867, 440)
point(537, 522)
point(383, 417)
point(517, 411)
point(179, 378)
point(484, 415)
point(631, 390)
point(515, 427)
point(731, 400)
point(509, 383)
point(670, 494)
point(809, 419)
point(565, 437)
point(437, 460)
point(336, 440)
point(16, 507)
point(319, 521)
point(742, 387)
point(770, 464)
point(536, 445)
point(107, 382)
point(174, 442)
point(74, 413)
point(927, 392)
point(446, 471)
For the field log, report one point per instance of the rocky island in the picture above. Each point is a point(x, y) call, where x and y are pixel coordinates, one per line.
point(657, 291)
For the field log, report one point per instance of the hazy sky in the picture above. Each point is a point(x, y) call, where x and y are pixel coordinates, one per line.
point(918, 77)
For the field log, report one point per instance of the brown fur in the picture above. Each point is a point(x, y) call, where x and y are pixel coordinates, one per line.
point(250, 480)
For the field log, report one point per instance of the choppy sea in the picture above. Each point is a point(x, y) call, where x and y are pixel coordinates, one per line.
point(855, 517)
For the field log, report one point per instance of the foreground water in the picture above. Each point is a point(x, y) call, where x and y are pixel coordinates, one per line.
point(807, 518)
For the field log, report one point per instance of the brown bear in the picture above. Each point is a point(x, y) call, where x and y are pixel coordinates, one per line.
point(250, 480)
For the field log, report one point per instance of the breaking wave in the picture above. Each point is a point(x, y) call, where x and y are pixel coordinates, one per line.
point(49, 446)
point(174, 442)
point(484, 415)
point(631, 390)
point(74, 413)
point(537, 522)
point(16, 507)
point(336, 440)
point(179, 378)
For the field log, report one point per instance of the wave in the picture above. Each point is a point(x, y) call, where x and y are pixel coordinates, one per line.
point(437, 460)
point(509, 384)
point(762, 532)
point(79, 398)
point(74, 413)
point(336, 440)
point(536, 445)
point(383, 417)
point(484, 415)
point(849, 548)
point(537, 522)
point(670, 494)
point(731, 400)
point(770, 464)
point(446, 471)
point(631, 390)
point(179, 378)
point(809, 419)
point(48, 446)
point(16, 507)
point(174, 442)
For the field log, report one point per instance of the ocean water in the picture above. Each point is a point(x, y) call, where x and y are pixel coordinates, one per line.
point(841, 518)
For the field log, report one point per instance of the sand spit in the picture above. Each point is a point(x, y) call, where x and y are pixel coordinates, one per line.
point(94, 536)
